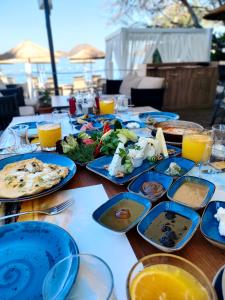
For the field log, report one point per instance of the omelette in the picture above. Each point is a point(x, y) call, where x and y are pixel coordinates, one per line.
point(29, 177)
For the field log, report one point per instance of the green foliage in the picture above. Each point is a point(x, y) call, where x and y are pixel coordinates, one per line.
point(44, 98)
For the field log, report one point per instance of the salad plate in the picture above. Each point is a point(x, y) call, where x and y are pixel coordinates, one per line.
point(158, 116)
point(28, 251)
point(49, 158)
point(93, 126)
point(99, 165)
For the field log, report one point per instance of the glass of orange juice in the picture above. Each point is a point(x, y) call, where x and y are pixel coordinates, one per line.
point(197, 146)
point(167, 276)
point(107, 104)
point(48, 134)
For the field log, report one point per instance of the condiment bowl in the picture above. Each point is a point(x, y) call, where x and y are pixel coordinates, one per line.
point(177, 208)
point(99, 212)
point(141, 124)
point(180, 181)
point(185, 164)
point(136, 185)
point(209, 224)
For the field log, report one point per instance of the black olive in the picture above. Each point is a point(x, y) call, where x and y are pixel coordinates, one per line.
point(170, 215)
point(165, 228)
point(171, 235)
point(165, 241)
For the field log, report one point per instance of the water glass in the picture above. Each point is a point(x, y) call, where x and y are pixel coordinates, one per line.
point(122, 103)
point(21, 142)
point(218, 131)
point(81, 276)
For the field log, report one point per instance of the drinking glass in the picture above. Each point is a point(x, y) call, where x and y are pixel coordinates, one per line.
point(218, 131)
point(48, 134)
point(122, 103)
point(21, 142)
point(107, 104)
point(216, 162)
point(81, 276)
point(170, 267)
point(195, 144)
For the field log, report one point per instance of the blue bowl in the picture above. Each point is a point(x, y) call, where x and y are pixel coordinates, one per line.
point(141, 124)
point(176, 208)
point(114, 200)
point(96, 125)
point(209, 224)
point(211, 189)
point(218, 283)
point(159, 116)
point(106, 117)
point(165, 180)
point(184, 163)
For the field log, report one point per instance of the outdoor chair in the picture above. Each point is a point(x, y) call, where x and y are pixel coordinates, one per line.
point(219, 110)
point(8, 110)
point(147, 97)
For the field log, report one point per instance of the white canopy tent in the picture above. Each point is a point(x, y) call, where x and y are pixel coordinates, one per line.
point(129, 47)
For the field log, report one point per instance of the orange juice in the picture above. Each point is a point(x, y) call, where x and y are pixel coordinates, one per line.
point(106, 106)
point(48, 135)
point(163, 281)
point(197, 147)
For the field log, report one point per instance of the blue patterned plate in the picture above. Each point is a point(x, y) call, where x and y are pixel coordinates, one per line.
point(32, 130)
point(97, 166)
point(96, 126)
point(159, 116)
point(28, 251)
point(140, 124)
point(49, 158)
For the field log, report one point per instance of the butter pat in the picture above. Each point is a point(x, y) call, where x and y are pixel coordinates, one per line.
point(220, 216)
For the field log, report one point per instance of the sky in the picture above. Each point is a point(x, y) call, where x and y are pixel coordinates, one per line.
point(73, 22)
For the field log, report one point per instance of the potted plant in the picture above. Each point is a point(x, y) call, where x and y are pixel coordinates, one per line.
point(44, 101)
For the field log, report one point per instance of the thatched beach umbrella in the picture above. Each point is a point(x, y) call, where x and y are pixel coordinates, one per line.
point(28, 53)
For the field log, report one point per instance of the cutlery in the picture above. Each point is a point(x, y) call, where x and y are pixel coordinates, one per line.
point(54, 210)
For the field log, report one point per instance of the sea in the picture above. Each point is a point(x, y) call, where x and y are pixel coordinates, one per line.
point(66, 71)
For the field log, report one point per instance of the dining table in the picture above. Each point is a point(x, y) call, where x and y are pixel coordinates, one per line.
point(198, 250)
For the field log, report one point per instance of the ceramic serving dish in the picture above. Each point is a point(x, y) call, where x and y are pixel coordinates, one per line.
point(219, 283)
point(136, 185)
point(167, 206)
point(177, 184)
point(174, 130)
point(159, 116)
point(185, 164)
point(113, 201)
point(96, 126)
point(209, 224)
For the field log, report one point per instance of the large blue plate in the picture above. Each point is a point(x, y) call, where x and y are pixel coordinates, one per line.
point(49, 158)
point(97, 166)
point(159, 116)
point(28, 251)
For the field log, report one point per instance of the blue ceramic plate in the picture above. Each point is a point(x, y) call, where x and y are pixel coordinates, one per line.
point(209, 224)
point(141, 124)
point(185, 164)
point(176, 208)
point(164, 180)
point(96, 125)
point(211, 189)
point(32, 130)
point(114, 200)
point(97, 166)
point(219, 283)
point(175, 151)
point(104, 117)
point(159, 116)
point(28, 251)
point(49, 158)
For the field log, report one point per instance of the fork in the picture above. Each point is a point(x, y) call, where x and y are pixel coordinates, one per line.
point(54, 210)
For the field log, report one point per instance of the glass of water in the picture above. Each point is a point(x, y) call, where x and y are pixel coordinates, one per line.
point(81, 276)
point(218, 131)
point(122, 103)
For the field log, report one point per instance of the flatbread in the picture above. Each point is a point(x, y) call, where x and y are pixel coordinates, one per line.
point(29, 177)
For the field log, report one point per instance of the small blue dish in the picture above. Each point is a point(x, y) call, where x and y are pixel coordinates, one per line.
point(173, 151)
point(106, 116)
point(177, 184)
point(219, 283)
point(209, 224)
point(185, 164)
point(159, 116)
point(98, 166)
point(114, 200)
point(49, 158)
point(32, 128)
point(28, 251)
point(96, 125)
point(136, 184)
point(141, 124)
point(176, 208)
